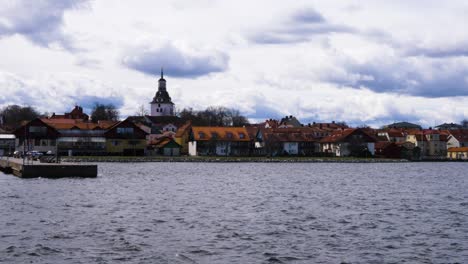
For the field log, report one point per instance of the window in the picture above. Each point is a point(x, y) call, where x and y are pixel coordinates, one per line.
point(125, 130)
point(214, 135)
point(37, 142)
point(229, 135)
point(201, 135)
point(115, 143)
point(241, 135)
point(52, 142)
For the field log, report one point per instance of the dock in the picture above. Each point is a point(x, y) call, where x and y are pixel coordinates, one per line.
point(37, 169)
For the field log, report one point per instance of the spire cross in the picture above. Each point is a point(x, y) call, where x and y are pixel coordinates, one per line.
point(162, 72)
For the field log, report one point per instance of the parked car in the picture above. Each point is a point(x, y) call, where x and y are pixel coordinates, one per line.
point(18, 154)
point(34, 155)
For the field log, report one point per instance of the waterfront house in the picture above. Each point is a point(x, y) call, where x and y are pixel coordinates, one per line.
point(432, 143)
point(125, 138)
point(349, 142)
point(460, 153)
point(77, 137)
point(36, 135)
point(220, 141)
point(295, 141)
point(165, 146)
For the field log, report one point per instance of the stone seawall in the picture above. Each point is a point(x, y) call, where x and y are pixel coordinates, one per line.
point(230, 159)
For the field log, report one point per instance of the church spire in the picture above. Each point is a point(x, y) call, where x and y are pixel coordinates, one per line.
point(162, 73)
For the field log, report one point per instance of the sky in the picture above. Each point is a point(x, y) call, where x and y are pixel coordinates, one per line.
point(370, 62)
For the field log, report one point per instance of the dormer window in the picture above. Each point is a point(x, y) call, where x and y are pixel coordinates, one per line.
point(201, 135)
point(214, 135)
point(241, 135)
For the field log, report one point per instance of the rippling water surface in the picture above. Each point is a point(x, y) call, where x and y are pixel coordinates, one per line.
point(239, 213)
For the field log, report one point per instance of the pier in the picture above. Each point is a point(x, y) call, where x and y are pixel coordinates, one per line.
point(37, 169)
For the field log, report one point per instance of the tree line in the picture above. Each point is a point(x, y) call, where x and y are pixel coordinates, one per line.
point(12, 116)
point(214, 116)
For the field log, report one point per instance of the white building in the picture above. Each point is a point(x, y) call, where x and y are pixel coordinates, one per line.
point(162, 104)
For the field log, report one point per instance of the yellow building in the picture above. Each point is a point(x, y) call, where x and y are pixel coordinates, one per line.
point(125, 138)
point(458, 153)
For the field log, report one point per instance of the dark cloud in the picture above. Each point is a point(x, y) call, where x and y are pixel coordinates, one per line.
point(40, 21)
point(301, 26)
point(460, 50)
point(175, 62)
point(308, 16)
point(418, 77)
point(88, 101)
point(262, 111)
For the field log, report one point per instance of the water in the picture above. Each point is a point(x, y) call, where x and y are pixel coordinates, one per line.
point(239, 213)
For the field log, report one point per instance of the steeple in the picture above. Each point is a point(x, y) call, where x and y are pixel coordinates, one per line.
point(162, 82)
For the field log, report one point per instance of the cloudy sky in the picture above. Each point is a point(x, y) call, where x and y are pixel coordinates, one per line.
point(364, 62)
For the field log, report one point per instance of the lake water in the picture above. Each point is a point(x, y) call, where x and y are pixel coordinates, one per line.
point(239, 213)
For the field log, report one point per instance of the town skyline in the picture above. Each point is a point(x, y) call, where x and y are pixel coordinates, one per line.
point(316, 61)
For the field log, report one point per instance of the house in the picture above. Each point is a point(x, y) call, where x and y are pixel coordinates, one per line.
point(279, 141)
point(125, 138)
point(457, 138)
point(349, 142)
point(386, 149)
point(392, 135)
point(36, 135)
point(166, 147)
point(220, 141)
point(289, 121)
point(77, 137)
point(76, 113)
point(329, 126)
point(460, 153)
point(158, 126)
point(432, 143)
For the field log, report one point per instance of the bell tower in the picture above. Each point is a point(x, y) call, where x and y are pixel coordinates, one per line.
point(162, 104)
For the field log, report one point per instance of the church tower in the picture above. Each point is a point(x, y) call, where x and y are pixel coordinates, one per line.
point(162, 104)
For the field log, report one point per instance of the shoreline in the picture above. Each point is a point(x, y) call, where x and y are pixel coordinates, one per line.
point(110, 159)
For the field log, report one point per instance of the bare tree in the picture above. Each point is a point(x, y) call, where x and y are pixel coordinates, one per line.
point(141, 111)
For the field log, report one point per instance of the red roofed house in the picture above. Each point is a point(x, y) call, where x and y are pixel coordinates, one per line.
point(76, 113)
point(349, 142)
point(289, 141)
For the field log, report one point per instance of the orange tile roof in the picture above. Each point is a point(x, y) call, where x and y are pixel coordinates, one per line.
point(461, 149)
point(221, 133)
point(65, 124)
